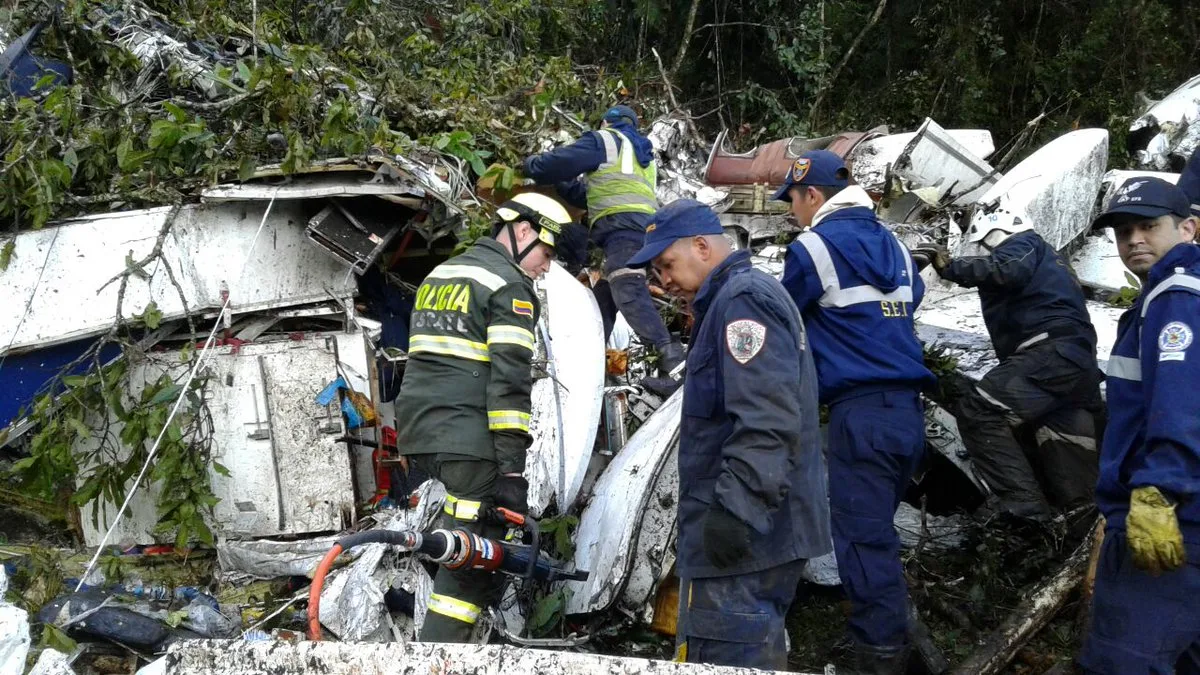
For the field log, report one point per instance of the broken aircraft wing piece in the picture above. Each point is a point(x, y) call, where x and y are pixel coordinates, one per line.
point(1164, 136)
point(1056, 186)
point(567, 403)
point(606, 541)
point(873, 158)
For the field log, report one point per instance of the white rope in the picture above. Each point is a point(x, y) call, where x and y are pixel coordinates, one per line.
point(208, 344)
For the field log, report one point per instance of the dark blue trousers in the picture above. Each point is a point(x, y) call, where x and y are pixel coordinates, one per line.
point(737, 620)
point(1142, 623)
point(630, 293)
point(876, 441)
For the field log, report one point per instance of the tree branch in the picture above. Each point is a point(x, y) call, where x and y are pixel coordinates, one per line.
point(827, 85)
point(687, 37)
point(671, 95)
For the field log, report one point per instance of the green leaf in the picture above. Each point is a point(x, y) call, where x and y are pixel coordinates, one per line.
point(71, 160)
point(1133, 281)
point(247, 167)
point(441, 142)
point(477, 165)
point(150, 316)
point(6, 254)
point(80, 428)
point(220, 469)
point(167, 393)
point(125, 154)
point(243, 72)
point(544, 613)
point(164, 134)
point(23, 464)
point(175, 111)
point(53, 638)
point(45, 81)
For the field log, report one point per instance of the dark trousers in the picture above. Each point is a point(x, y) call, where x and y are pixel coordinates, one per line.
point(876, 441)
point(630, 294)
point(1143, 624)
point(737, 620)
point(460, 596)
point(1047, 387)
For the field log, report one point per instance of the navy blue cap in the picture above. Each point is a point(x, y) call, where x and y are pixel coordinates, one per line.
point(819, 168)
point(619, 113)
point(680, 219)
point(1143, 197)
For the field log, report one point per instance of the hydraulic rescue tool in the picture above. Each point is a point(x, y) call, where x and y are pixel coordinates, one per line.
point(452, 549)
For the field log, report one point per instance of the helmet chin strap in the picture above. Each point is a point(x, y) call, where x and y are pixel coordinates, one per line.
point(512, 239)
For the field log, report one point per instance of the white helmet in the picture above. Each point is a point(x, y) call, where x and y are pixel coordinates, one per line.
point(1002, 218)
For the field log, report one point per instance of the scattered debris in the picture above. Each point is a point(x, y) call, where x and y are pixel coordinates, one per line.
point(14, 633)
point(1166, 134)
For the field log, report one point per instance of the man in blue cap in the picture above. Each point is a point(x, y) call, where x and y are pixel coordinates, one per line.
point(752, 495)
point(857, 287)
point(1144, 616)
point(618, 192)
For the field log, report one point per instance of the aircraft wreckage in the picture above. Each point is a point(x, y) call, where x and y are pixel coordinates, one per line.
point(308, 281)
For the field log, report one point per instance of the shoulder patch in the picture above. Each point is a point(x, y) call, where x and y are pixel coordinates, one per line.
point(1175, 337)
point(522, 308)
point(745, 339)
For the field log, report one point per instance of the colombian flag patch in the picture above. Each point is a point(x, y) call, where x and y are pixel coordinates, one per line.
point(522, 308)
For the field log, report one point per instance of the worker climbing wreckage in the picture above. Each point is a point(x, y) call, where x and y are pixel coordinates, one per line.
point(464, 405)
point(618, 190)
point(856, 286)
point(1038, 321)
point(1144, 617)
point(752, 497)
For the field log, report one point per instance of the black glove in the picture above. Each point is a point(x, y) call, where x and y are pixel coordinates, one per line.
point(929, 253)
point(512, 493)
point(726, 537)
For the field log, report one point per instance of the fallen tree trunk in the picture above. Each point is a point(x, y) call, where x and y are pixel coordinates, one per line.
point(1030, 616)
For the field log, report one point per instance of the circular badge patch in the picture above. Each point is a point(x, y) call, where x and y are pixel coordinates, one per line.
point(800, 169)
point(1175, 337)
point(745, 338)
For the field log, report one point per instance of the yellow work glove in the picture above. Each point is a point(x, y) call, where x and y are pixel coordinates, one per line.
point(1155, 541)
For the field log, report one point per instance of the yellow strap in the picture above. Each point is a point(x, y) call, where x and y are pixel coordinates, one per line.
point(508, 419)
point(454, 608)
point(510, 335)
point(448, 346)
point(462, 509)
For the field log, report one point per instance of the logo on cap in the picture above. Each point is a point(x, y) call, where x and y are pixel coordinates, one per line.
point(1125, 193)
point(651, 227)
point(800, 169)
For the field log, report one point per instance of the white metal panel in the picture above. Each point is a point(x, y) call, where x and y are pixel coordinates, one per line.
point(871, 159)
point(555, 470)
point(206, 245)
point(1056, 186)
point(267, 387)
point(1098, 265)
point(934, 159)
point(654, 554)
point(1176, 117)
point(607, 539)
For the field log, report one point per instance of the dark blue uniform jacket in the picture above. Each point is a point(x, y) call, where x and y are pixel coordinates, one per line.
point(1026, 289)
point(749, 436)
point(1153, 433)
point(563, 166)
point(857, 288)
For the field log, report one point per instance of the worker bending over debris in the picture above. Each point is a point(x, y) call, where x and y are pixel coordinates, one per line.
point(1039, 325)
point(1144, 615)
point(463, 408)
point(618, 192)
point(857, 288)
point(752, 497)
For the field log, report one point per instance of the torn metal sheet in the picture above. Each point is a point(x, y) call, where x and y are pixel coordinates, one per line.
point(757, 228)
point(1167, 134)
point(934, 159)
point(942, 434)
point(606, 541)
point(1114, 179)
point(287, 472)
point(268, 559)
point(770, 259)
point(873, 158)
point(1098, 265)
point(201, 657)
point(52, 662)
point(69, 264)
point(143, 34)
point(936, 533)
point(654, 554)
point(673, 185)
point(566, 403)
point(955, 323)
point(1056, 186)
point(357, 183)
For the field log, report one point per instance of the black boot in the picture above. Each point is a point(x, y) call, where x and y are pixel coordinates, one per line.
point(671, 363)
point(877, 660)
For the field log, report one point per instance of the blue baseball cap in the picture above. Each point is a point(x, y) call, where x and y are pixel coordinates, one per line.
point(819, 168)
point(1143, 197)
point(680, 219)
point(619, 113)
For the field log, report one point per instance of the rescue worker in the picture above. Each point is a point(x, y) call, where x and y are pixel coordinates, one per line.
point(752, 499)
point(1039, 326)
point(856, 287)
point(463, 409)
point(618, 192)
point(1189, 181)
point(1144, 616)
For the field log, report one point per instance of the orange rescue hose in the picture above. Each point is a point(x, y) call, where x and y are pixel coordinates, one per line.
point(314, 592)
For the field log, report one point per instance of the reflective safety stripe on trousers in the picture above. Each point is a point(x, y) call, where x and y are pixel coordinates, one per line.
point(462, 509)
point(454, 608)
point(508, 419)
point(448, 346)
point(620, 184)
point(510, 335)
point(836, 296)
